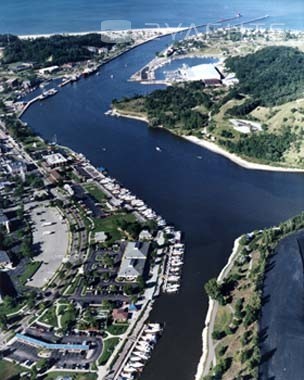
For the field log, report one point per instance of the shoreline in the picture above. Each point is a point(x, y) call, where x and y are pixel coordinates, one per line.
point(161, 32)
point(216, 149)
point(211, 314)
point(115, 113)
point(239, 160)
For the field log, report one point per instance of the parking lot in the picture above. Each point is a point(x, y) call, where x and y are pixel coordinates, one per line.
point(23, 353)
point(27, 354)
point(50, 240)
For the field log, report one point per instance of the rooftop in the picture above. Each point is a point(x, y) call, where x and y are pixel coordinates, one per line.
point(134, 260)
point(55, 159)
point(51, 346)
point(201, 72)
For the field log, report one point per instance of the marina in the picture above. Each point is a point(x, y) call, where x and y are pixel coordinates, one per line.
point(211, 200)
point(139, 352)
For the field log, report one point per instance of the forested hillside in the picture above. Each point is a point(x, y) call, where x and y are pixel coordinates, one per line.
point(53, 50)
point(271, 76)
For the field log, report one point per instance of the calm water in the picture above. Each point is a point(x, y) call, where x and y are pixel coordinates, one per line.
point(36, 16)
point(212, 200)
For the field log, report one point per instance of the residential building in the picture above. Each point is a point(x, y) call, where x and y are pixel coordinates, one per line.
point(133, 261)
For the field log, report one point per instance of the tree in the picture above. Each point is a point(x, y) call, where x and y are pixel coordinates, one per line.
point(42, 364)
point(3, 322)
point(140, 283)
point(213, 290)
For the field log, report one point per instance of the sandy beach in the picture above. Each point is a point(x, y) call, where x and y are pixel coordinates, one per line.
point(156, 31)
point(115, 112)
point(238, 160)
point(208, 353)
point(218, 150)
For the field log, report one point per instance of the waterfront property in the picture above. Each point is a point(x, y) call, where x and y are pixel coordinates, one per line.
point(177, 203)
point(133, 261)
point(55, 160)
point(208, 73)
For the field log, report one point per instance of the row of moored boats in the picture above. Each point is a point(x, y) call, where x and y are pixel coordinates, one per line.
point(125, 196)
point(141, 352)
point(174, 262)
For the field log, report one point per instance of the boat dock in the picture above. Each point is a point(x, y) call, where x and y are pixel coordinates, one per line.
point(174, 262)
point(139, 352)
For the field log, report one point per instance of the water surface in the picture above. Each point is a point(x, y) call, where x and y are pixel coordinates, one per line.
point(211, 199)
point(54, 16)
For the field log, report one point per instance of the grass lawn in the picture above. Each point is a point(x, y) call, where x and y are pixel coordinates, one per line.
point(134, 107)
point(108, 348)
point(73, 375)
point(95, 191)
point(110, 225)
point(72, 287)
point(223, 318)
point(117, 329)
point(50, 317)
point(9, 370)
point(4, 309)
point(29, 270)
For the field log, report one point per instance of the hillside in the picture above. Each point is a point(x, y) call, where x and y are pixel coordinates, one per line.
point(269, 95)
point(271, 76)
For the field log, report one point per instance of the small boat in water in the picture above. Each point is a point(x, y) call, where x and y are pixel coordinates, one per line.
point(158, 149)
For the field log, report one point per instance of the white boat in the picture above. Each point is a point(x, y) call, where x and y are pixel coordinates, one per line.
point(144, 347)
point(158, 149)
point(141, 355)
point(129, 369)
point(153, 327)
point(137, 365)
point(171, 290)
point(127, 376)
point(135, 359)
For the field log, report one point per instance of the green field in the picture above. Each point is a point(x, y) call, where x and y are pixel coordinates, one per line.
point(29, 271)
point(95, 191)
point(117, 329)
point(110, 225)
point(108, 348)
point(50, 317)
point(9, 370)
point(73, 375)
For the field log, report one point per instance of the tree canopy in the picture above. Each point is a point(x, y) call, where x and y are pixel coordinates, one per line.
point(272, 76)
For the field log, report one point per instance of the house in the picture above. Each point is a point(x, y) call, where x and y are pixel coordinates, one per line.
point(55, 160)
point(5, 261)
point(16, 167)
point(4, 221)
point(133, 261)
point(120, 315)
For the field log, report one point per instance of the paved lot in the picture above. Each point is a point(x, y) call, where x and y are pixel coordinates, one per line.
point(51, 241)
point(282, 321)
